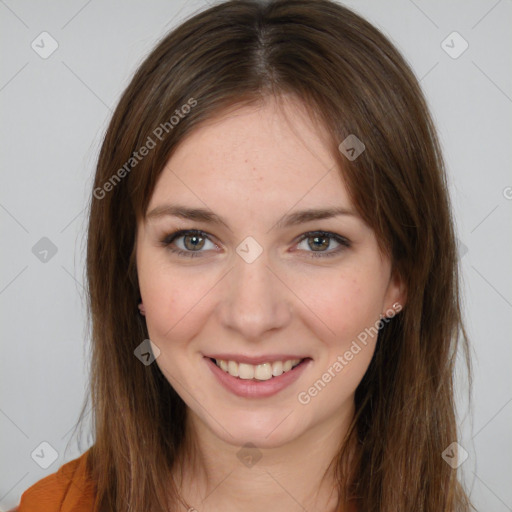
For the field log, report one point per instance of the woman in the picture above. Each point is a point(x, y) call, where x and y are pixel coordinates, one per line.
point(270, 210)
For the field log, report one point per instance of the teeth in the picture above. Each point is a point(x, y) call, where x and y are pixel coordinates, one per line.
point(246, 371)
point(264, 371)
point(232, 368)
point(277, 368)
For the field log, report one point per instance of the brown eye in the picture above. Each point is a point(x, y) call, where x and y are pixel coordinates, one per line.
point(187, 242)
point(193, 242)
point(319, 242)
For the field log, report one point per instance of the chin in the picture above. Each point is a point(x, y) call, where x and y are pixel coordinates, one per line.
point(263, 429)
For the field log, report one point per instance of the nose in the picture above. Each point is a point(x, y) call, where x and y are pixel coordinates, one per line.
point(255, 300)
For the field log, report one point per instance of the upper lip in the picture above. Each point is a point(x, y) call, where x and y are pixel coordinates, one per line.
point(269, 358)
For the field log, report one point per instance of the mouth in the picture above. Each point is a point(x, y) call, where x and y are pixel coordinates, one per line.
point(257, 381)
point(263, 371)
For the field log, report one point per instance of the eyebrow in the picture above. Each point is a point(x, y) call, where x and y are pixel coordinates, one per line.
point(204, 215)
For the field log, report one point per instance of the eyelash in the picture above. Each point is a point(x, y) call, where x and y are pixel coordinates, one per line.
point(170, 238)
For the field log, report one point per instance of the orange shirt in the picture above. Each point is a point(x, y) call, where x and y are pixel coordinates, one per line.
point(67, 490)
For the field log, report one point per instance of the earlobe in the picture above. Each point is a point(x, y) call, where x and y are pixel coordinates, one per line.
point(392, 311)
point(142, 309)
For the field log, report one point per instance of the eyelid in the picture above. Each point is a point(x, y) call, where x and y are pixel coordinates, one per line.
point(344, 242)
point(168, 239)
point(328, 234)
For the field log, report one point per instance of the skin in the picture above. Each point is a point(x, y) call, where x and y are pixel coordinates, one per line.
point(252, 166)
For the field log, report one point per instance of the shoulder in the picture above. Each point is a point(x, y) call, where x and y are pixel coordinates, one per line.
point(67, 490)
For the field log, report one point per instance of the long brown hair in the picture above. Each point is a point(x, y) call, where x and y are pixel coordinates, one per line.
point(352, 79)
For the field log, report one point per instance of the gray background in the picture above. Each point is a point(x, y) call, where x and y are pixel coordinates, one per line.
point(54, 113)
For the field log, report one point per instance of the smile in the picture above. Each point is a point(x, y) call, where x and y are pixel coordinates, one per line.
point(257, 380)
point(263, 371)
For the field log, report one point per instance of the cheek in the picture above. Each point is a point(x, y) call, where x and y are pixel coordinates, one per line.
point(344, 302)
point(173, 301)
point(350, 305)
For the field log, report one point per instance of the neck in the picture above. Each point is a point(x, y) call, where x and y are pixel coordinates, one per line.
point(299, 475)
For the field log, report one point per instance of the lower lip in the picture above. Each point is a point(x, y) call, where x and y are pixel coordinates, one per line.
point(254, 388)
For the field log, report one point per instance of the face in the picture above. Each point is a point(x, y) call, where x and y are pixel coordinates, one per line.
point(255, 282)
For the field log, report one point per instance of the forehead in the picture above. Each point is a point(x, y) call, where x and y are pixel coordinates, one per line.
point(257, 157)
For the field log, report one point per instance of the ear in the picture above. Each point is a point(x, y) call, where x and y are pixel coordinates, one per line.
point(395, 296)
point(142, 309)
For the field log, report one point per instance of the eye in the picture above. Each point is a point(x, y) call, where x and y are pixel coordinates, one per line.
point(189, 243)
point(192, 241)
point(317, 241)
